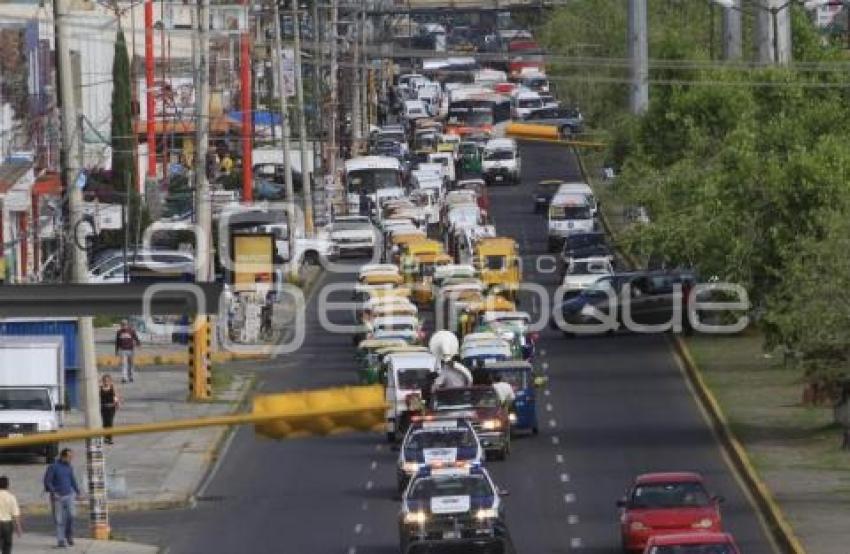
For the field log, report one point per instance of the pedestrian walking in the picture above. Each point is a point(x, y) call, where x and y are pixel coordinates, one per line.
point(10, 516)
point(61, 483)
point(110, 400)
point(126, 341)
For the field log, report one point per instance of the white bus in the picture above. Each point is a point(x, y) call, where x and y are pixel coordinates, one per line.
point(380, 177)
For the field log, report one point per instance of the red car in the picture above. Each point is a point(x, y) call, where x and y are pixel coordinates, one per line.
point(692, 543)
point(667, 504)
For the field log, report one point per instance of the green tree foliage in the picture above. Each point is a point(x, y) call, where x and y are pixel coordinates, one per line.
point(123, 145)
point(745, 172)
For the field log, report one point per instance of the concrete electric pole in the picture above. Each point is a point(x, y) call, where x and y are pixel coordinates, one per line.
point(333, 120)
point(639, 54)
point(356, 122)
point(306, 175)
point(732, 32)
point(73, 179)
point(284, 121)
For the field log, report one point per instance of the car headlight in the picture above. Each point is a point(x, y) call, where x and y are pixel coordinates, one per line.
point(410, 467)
point(486, 513)
point(704, 523)
point(491, 424)
point(415, 518)
point(638, 526)
point(45, 426)
point(512, 416)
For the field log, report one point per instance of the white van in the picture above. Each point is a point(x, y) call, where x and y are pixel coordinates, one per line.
point(407, 373)
point(580, 188)
point(523, 102)
point(447, 160)
point(500, 162)
point(568, 213)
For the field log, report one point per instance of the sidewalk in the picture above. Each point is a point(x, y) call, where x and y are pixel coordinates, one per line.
point(148, 470)
point(37, 543)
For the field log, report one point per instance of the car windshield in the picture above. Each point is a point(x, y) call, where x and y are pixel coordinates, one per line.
point(473, 398)
point(569, 212)
point(349, 226)
point(583, 240)
point(498, 155)
point(495, 263)
point(530, 103)
point(670, 495)
point(371, 180)
point(587, 268)
point(472, 118)
point(450, 485)
point(445, 438)
point(693, 549)
point(410, 379)
point(517, 378)
point(24, 399)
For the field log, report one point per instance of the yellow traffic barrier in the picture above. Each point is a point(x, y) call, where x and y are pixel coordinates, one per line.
point(532, 130)
point(284, 415)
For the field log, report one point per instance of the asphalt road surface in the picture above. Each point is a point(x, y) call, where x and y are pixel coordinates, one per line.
point(614, 407)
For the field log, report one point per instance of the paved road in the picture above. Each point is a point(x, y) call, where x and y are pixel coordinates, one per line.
point(615, 407)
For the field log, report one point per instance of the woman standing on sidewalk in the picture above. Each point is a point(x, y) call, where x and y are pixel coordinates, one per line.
point(109, 402)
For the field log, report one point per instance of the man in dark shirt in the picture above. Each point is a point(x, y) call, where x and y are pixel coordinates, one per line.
point(60, 482)
point(126, 341)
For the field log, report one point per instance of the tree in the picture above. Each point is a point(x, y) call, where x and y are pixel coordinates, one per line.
point(123, 165)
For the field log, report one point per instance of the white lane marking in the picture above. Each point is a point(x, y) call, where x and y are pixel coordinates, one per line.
point(545, 365)
point(572, 519)
point(575, 542)
point(364, 506)
point(565, 478)
point(542, 351)
point(379, 447)
point(374, 465)
point(358, 528)
point(556, 441)
point(547, 392)
point(548, 407)
point(570, 498)
point(352, 550)
point(559, 458)
point(369, 485)
point(553, 423)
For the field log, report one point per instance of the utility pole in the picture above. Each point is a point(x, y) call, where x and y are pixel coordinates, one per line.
point(306, 175)
point(71, 164)
point(781, 20)
point(639, 54)
point(732, 31)
point(356, 121)
point(284, 121)
point(364, 75)
point(319, 38)
point(333, 127)
point(200, 382)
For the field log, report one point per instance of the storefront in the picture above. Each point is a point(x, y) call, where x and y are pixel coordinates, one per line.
point(16, 182)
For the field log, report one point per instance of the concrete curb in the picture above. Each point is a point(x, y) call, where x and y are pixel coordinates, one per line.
point(761, 495)
point(182, 358)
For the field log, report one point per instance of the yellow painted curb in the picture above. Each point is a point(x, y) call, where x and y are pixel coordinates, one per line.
point(178, 358)
point(774, 517)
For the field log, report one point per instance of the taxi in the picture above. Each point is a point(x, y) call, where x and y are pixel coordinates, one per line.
point(481, 406)
point(458, 508)
point(498, 262)
point(436, 442)
point(398, 241)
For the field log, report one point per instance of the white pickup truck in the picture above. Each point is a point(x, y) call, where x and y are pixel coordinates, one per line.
point(32, 388)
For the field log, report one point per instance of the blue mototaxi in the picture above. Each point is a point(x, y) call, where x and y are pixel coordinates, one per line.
point(521, 376)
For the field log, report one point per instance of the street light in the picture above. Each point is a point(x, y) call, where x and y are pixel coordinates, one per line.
point(774, 13)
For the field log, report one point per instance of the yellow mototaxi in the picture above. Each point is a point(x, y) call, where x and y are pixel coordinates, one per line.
point(399, 241)
point(497, 260)
point(410, 254)
point(368, 360)
point(473, 312)
point(423, 287)
point(451, 304)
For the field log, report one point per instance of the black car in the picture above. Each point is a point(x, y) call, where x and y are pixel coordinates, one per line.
point(646, 298)
point(543, 194)
point(585, 245)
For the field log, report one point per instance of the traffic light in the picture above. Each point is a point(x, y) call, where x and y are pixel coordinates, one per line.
point(321, 412)
point(200, 374)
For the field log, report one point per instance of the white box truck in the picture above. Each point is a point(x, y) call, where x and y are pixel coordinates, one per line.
point(32, 388)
